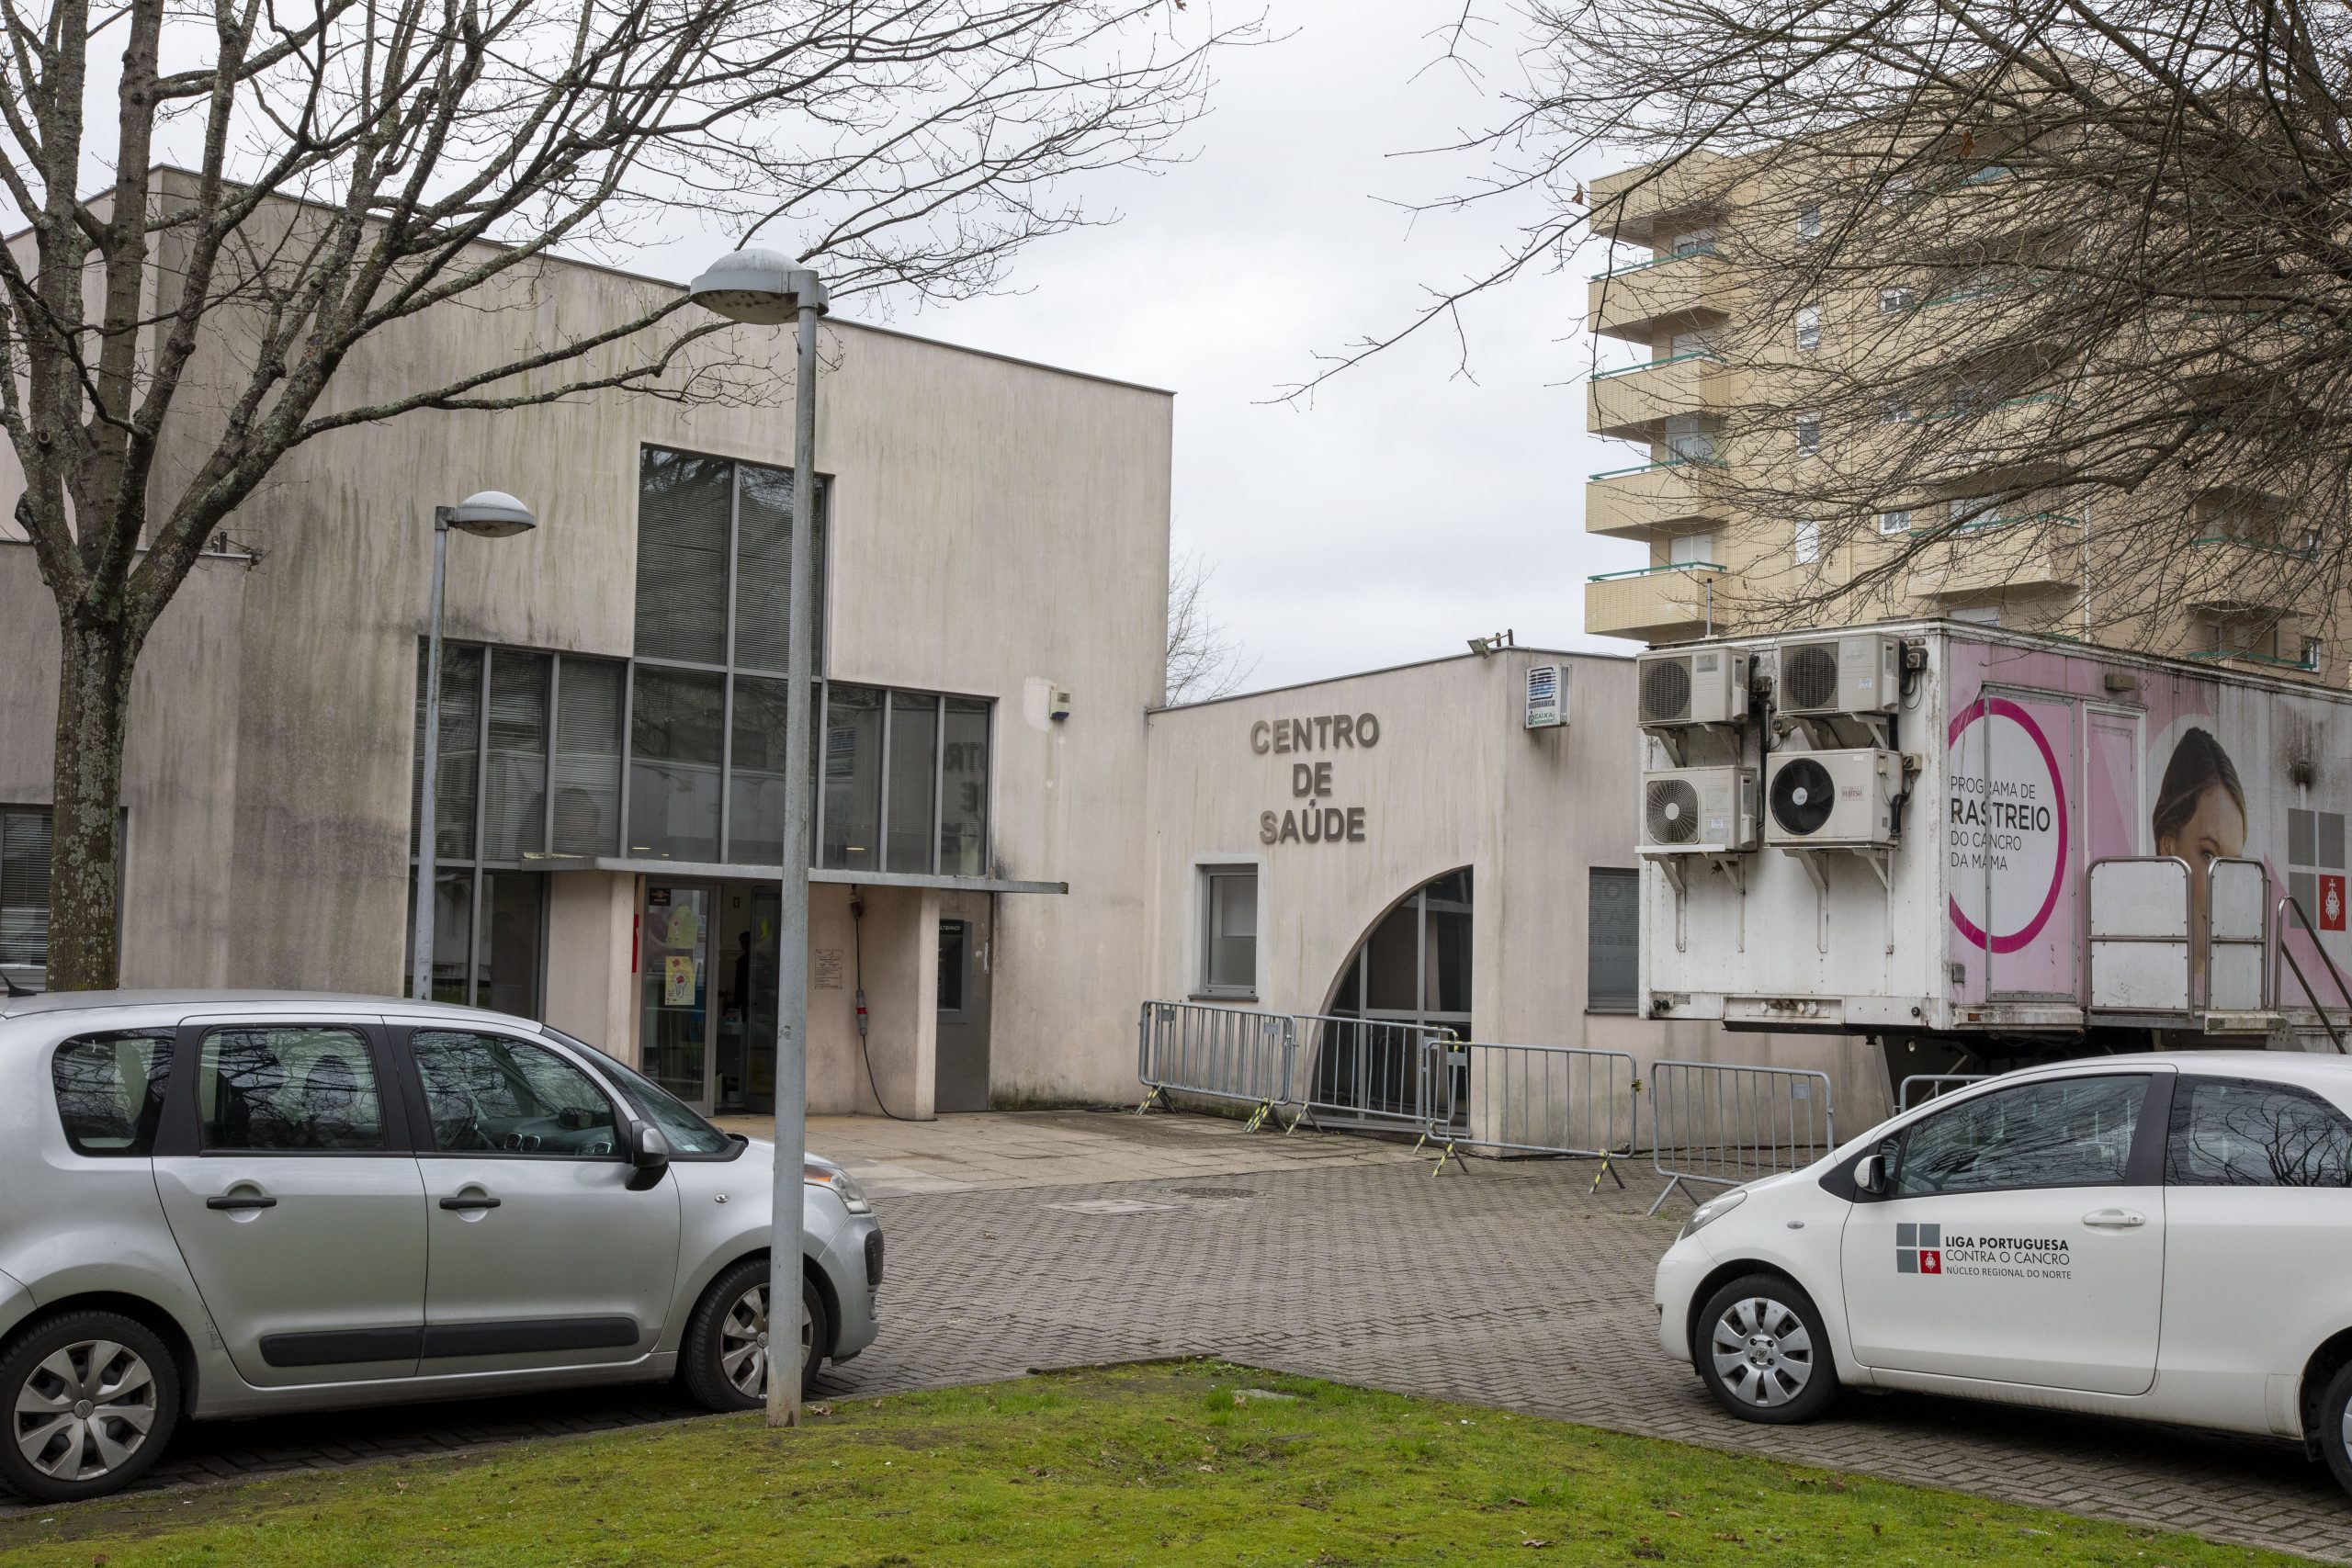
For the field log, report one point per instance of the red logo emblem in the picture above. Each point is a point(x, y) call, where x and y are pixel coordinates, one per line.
point(1931, 1261)
point(2331, 903)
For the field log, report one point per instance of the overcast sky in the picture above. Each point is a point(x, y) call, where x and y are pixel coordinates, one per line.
point(1405, 510)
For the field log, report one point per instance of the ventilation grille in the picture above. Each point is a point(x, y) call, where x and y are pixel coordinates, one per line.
point(1803, 795)
point(1671, 807)
point(1809, 676)
point(1666, 690)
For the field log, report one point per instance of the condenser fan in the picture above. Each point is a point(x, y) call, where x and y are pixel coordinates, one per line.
point(1673, 809)
point(1666, 690)
point(1803, 795)
point(1809, 676)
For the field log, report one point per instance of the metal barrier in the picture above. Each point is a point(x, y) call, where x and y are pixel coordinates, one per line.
point(1935, 1084)
point(1725, 1125)
point(1367, 1072)
point(2141, 935)
point(1544, 1099)
point(1217, 1054)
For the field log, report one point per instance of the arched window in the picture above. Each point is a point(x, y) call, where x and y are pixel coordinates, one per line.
point(1411, 973)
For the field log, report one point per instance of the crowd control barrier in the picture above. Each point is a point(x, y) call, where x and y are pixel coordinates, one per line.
point(1725, 1125)
point(1367, 1072)
point(1921, 1088)
point(1544, 1099)
point(1217, 1054)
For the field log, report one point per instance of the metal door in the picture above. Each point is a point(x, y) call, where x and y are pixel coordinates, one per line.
point(676, 989)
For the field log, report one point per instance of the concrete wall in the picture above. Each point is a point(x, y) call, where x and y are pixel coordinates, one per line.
point(1455, 780)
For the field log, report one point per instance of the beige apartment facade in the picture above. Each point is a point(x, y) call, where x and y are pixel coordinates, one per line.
point(1015, 841)
point(1720, 407)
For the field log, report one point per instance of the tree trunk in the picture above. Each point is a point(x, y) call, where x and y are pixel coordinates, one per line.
point(85, 854)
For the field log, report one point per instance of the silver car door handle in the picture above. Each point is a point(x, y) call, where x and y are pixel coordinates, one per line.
point(471, 1201)
point(240, 1200)
point(2115, 1219)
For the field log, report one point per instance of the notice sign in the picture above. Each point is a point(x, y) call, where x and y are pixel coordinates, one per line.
point(828, 967)
point(2004, 823)
point(678, 980)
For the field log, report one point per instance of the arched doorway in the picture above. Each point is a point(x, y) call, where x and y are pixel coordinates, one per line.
point(1411, 973)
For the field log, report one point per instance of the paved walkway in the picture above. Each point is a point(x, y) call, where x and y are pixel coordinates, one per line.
point(1505, 1285)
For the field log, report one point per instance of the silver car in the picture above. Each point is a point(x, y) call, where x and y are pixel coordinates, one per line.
point(222, 1203)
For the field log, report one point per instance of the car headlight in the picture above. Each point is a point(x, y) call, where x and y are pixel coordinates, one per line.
point(852, 1195)
point(1713, 1209)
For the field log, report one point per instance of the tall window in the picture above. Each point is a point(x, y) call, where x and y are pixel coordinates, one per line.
point(1808, 328)
point(1229, 930)
point(1808, 434)
point(529, 760)
point(1614, 941)
point(1808, 543)
point(905, 778)
point(1808, 224)
point(24, 889)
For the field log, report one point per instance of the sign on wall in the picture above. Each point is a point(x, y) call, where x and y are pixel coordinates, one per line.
point(1313, 815)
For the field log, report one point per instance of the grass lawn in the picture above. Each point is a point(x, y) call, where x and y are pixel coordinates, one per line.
point(1179, 1463)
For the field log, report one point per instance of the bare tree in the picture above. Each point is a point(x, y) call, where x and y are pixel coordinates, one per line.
point(1204, 659)
point(350, 163)
point(2048, 301)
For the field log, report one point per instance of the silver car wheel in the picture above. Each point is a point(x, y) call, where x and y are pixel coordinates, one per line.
point(743, 1342)
point(85, 1410)
point(1762, 1351)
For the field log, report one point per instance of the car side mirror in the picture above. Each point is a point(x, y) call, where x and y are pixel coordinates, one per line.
point(649, 1156)
point(1870, 1177)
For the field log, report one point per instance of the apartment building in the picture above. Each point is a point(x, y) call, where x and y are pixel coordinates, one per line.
point(1847, 398)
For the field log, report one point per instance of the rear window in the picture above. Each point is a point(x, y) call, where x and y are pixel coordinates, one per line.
point(111, 1090)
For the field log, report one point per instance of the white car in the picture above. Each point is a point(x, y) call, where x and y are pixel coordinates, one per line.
point(2165, 1238)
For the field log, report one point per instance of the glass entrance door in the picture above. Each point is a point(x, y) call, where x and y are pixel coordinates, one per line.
point(674, 972)
point(745, 1080)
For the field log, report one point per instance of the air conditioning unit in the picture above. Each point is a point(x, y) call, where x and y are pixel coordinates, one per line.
point(1831, 800)
point(1698, 810)
point(1705, 685)
point(1547, 696)
point(1836, 675)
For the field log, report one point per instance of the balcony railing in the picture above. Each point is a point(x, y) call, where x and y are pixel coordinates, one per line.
point(1695, 353)
point(1662, 464)
point(1656, 570)
point(1683, 255)
point(2249, 656)
point(2293, 552)
point(1986, 524)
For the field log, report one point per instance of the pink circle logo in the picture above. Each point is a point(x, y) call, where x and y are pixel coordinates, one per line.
point(2005, 826)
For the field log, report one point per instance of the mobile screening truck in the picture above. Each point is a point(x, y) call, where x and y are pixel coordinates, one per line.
point(1985, 848)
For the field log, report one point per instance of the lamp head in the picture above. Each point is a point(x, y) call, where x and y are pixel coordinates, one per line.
point(492, 514)
point(759, 288)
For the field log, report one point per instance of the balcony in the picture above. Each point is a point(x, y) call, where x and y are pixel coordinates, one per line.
point(2250, 659)
point(2229, 573)
point(1652, 603)
point(1633, 503)
point(2004, 557)
point(1635, 400)
point(1638, 206)
point(1644, 300)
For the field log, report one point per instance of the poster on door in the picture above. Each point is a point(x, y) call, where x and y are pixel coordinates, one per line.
point(678, 980)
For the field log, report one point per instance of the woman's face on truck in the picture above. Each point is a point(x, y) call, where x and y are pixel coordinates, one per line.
point(2215, 830)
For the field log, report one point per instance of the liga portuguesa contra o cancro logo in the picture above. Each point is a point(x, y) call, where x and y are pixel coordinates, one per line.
point(1918, 1249)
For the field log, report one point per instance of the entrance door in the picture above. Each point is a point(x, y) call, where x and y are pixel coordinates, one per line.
point(966, 934)
point(674, 972)
point(744, 1077)
point(2023, 1241)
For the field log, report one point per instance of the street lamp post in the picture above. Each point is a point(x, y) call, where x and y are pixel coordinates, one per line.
point(764, 288)
point(488, 514)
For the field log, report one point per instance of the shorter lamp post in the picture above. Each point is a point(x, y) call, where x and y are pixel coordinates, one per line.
point(489, 514)
point(763, 288)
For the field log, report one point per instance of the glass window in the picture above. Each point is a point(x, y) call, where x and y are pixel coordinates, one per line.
point(1808, 327)
point(1445, 903)
point(459, 761)
point(453, 925)
point(688, 1134)
point(852, 774)
point(1893, 301)
point(1229, 948)
point(954, 960)
point(24, 888)
point(508, 958)
point(2062, 1133)
point(764, 569)
point(515, 785)
point(1808, 224)
point(111, 1090)
point(588, 757)
point(1896, 522)
point(964, 780)
point(683, 508)
point(676, 722)
point(1808, 434)
point(755, 775)
point(299, 1089)
point(2240, 1133)
point(1612, 941)
point(1807, 547)
point(490, 1095)
point(912, 798)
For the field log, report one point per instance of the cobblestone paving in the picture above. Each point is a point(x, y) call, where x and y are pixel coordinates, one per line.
point(1505, 1286)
